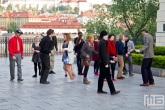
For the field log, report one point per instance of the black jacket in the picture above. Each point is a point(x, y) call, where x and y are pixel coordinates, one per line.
point(103, 52)
point(46, 45)
point(55, 42)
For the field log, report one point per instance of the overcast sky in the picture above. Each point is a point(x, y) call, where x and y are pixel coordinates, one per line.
point(99, 1)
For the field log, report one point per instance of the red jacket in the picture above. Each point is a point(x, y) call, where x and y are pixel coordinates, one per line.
point(111, 48)
point(12, 46)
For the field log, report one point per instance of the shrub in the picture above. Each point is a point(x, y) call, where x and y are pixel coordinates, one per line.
point(158, 61)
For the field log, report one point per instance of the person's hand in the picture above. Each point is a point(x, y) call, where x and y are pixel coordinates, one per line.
point(14, 58)
point(126, 55)
point(76, 54)
point(106, 66)
point(87, 56)
point(138, 51)
point(56, 52)
point(37, 51)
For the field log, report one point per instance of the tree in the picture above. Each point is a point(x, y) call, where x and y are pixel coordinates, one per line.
point(9, 7)
point(1, 8)
point(76, 10)
point(136, 14)
point(12, 27)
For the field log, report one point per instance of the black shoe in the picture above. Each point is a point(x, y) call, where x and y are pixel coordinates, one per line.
point(53, 72)
point(34, 76)
point(47, 82)
point(80, 74)
point(65, 75)
point(131, 74)
point(116, 92)
point(20, 80)
point(125, 73)
point(12, 79)
point(101, 92)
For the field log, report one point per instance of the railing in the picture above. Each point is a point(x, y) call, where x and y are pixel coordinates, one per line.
point(27, 44)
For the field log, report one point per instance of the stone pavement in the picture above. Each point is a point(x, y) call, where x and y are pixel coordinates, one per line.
point(62, 95)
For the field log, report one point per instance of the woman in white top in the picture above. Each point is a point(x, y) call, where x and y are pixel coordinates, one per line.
point(68, 55)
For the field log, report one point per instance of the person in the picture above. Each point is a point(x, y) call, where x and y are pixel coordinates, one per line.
point(68, 56)
point(52, 54)
point(46, 45)
point(79, 41)
point(95, 58)
point(148, 54)
point(120, 53)
point(128, 48)
point(112, 54)
point(15, 48)
point(36, 56)
point(104, 66)
point(86, 55)
point(63, 46)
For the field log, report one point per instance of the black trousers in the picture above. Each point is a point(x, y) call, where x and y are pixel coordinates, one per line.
point(146, 70)
point(39, 68)
point(79, 64)
point(96, 66)
point(86, 71)
point(105, 73)
point(113, 65)
point(45, 61)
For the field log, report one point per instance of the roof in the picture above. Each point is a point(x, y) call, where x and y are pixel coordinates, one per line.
point(2, 28)
point(89, 14)
point(58, 24)
point(14, 14)
point(73, 1)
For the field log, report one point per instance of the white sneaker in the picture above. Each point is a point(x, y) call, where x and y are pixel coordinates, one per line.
point(112, 61)
point(70, 80)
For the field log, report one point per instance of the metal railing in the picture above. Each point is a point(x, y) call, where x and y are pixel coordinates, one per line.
point(27, 45)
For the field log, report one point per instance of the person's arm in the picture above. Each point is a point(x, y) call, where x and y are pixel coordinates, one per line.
point(70, 47)
point(10, 48)
point(132, 46)
point(56, 45)
point(146, 45)
point(21, 48)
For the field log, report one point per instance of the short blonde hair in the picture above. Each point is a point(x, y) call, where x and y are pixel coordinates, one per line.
point(91, 36)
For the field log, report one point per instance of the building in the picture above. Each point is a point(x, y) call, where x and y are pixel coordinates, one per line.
point(2, 30)
point(59, 26)
point(19, 18)
point(160, 35)
point(85, 16)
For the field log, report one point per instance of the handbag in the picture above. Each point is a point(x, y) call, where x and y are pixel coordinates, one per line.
point(86, 63)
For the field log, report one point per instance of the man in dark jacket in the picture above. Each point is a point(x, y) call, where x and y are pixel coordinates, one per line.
point(46, 45)
point(104, 62)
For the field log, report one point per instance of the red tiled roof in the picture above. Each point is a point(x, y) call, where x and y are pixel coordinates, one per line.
point(89, 14)
point(2, 28)
point(18, 15)
point(69, 24)
point(73, 1)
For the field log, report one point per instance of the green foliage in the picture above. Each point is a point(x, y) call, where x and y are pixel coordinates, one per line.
point(158, 50)
point(76, 10)
point(12, 27)
point(9, 7)
point(158, 61)
point(136, 14)
point(1, 8)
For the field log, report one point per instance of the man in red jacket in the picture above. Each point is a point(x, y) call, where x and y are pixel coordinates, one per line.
point(15, 48)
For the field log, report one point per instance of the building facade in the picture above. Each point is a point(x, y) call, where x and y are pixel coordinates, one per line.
point(160, 35)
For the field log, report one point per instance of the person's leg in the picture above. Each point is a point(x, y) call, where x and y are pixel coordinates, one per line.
point(113, 69)
point(85, 80)
point(150, 76)
point(12, 68)
point(43, 66)
point(124, 68)
point(108, 78)
point(19, 69)
point(95, 64)
point(121, 63)
point(69, 71)
point(52, 62)
point(144, 70)
point(130, 64)
point(46, 61)
point(39, 68)
point(78, 64)
point(101, 78)
point(35, 70)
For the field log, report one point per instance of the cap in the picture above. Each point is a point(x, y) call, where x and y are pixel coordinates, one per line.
point(19, 31)
point(103, 33)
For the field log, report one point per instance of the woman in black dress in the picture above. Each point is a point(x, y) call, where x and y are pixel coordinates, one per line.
point(36, 56)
